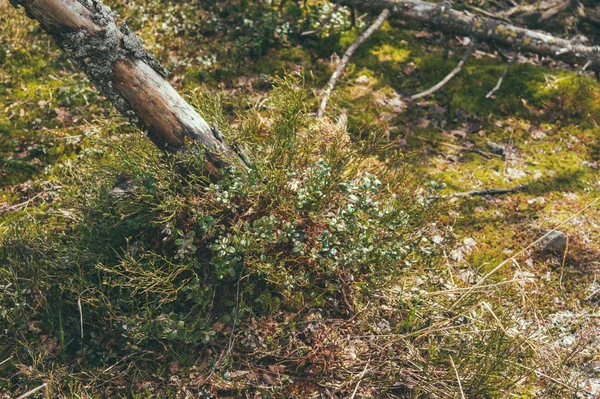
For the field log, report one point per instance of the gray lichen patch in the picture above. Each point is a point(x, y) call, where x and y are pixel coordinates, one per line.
point(133, 44)
point(96, 51)
point(101, 14)
point(96, 54)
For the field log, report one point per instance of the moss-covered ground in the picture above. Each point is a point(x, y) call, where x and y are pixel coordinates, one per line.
point(61, 144)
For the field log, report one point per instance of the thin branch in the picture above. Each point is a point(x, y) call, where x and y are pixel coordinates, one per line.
point(510, 64)
point(553, 11)
point(482, 193)
point(340, 68)
point(462, 393)
point(34, 390)
point(463, 61)
point(6, 360)
point(564, 259)
point(17, 207)
point(485, 154)
point(323, 23)
point(360, 378)
point(487, 13)
point(237, 310)
point(491, 191)
point(587, 64)
point(447, 20)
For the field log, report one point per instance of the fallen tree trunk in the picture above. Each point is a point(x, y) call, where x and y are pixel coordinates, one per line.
point(132, 79)
point(445, 19)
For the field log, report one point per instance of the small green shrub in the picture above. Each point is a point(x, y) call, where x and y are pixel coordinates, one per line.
point(172, 265)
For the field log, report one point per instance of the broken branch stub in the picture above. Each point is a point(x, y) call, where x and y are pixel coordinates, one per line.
point(132, 79)
point(442, 17)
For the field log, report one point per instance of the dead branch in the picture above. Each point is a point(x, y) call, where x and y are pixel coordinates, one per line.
point(510, 64)
point(553, 11)
point(33, 391)
point(487, 13)
point(455, 71)
point(340, 68)
point(491, 191)
point(323, 23)
point(115, 61)
point(22, 205)
point(484, 154)
point(486, 30)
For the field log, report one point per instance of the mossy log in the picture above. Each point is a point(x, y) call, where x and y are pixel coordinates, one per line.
point(443, 18)
point(132, 79)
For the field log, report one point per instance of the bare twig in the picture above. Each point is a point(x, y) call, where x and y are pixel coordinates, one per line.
point(562, 267)
point(510, 64)
point(463, 61)
point(491, 191)
point(462, 393)
point(22, 205)
point(587, 64)
point(487, 13)
point(360, 377)
point(323, 23)
point(225, 353)
point(237, 310)
point(485, 154)
point(553, 11)
point(80, 315)
point(481, 193)
point(34, 390)
point(340, 68)
point(444, 19)
point(6, 360)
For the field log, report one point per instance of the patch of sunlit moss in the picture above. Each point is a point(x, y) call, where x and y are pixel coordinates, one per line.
point(388, 53)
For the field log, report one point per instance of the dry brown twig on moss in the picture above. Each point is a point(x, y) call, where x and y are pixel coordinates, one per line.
point(455, 71)
point(503, 76)
point(445, 19)
point(347, 55)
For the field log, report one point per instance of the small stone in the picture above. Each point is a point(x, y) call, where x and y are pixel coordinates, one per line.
point(554, 241)
point(362, 79)
point(496, 148)
point(538, 135)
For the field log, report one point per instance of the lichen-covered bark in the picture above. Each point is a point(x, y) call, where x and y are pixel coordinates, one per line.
point(442, 17)
point(132, 79)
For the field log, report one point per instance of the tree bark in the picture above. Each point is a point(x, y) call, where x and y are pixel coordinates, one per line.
point(132, 79)
point(442, 17)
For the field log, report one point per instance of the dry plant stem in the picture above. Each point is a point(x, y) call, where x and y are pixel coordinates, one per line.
point(562, 267)
point(514, 257)
point(487, 13)
point(340, 68)
point(21, 205)
point(442, 18)
point(5, 361)
point(33, 391)
point(551, 12)
point(323, 23)
point(463, 61)
point(510, 64)
point(485, 154)
point(462, 393)
point(360, 378)
point(115, 61)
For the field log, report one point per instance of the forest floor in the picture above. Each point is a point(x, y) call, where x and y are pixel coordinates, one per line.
point(540, 130)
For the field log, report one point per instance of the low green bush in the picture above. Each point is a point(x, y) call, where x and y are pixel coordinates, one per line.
point(319, 247)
